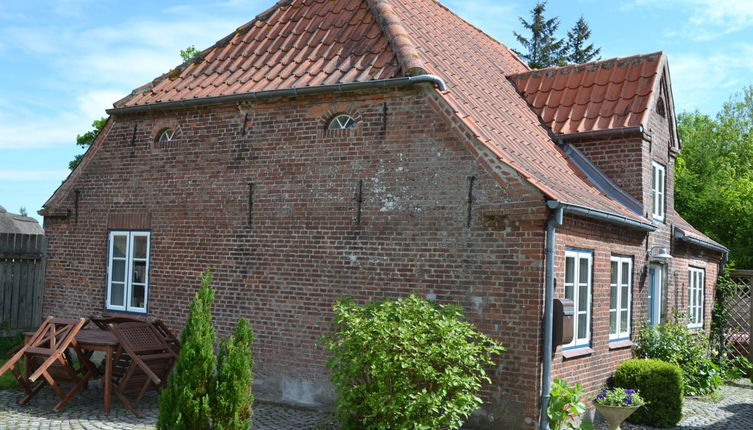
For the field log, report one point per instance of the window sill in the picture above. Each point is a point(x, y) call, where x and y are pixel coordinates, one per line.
point(576, 352)
point(620, 344)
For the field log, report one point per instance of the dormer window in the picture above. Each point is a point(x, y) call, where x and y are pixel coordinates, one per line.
point(341, 122)
point(658, 186)
point(166, 135)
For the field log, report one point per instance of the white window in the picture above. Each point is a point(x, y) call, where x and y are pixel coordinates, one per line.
point(695, 297)
point(128, 271)
point(342, 122)
point(658, 185)
point(620, 297)
point(166, 135)
point(578, 289)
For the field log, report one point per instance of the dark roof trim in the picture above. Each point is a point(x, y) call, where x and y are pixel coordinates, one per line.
point(612, 132)
point(602, 216)
point(679, 234)
point(598, 178)
point(286, 92)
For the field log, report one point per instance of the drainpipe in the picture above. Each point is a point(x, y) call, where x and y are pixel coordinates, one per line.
point(555, 219)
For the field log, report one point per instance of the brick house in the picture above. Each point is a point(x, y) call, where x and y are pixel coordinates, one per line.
point(377, 148)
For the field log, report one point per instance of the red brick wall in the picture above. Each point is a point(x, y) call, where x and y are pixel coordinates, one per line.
point(304, 248)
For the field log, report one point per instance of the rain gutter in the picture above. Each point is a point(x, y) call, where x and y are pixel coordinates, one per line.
point(287, 92)
point(612, 132)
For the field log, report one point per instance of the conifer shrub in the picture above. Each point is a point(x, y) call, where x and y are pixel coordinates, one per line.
point(661, 386)
point(407, 363)
point(231, 396)
point(184, 404)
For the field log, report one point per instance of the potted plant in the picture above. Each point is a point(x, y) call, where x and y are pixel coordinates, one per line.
point(616, 404)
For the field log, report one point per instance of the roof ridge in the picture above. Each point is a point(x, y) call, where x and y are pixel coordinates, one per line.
point(400, 41)
point(590, 63)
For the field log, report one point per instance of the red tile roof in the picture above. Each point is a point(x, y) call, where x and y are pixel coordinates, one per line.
point(300, 43)
point(294, 44)
point(602, 95)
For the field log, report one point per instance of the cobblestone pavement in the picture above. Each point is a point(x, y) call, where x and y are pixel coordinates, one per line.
point(84, 411)
point(730, 409)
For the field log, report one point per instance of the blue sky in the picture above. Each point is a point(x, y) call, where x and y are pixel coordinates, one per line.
point(65, 61)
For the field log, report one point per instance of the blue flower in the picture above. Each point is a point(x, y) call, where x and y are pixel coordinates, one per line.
point(629, 391)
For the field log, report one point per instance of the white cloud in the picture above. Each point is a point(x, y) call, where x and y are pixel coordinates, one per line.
point(708, 19)
point(697, 78)
point(29, 175)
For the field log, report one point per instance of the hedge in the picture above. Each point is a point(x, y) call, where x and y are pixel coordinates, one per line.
point(660, 384)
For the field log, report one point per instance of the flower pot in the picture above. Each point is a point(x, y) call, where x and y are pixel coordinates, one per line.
point(615, 415)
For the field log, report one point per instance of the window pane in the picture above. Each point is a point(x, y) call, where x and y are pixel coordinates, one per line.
point(118, 270)
point(583, 270)
point(139, 247)
point(119, 246)
point(614, 272)
point(624, 321)
point(581, 326)
point(612, 322)
point(569, 270)
point(137, 296)
point(613, 297)
point(582, 297)
point(139, 271)
point(625, 273)
point(569, 292)
point(116, 294)
point(624, 297)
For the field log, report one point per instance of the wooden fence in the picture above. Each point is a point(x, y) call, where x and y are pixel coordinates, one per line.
point(22, 263)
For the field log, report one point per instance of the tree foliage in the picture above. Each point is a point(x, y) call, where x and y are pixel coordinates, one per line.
point(22, 211)
point(231, 396)
point(577, 47)
point(184, 404)
point(543, 48)
point(714, 175)
point(406, 364)
point(85, 140)
point(188, 53)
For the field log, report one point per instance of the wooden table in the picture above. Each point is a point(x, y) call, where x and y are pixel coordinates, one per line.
point(95, 339)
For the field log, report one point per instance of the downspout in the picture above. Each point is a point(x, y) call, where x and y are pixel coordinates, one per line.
point(555, 219)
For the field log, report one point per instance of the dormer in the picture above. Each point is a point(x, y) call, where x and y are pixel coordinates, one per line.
point(615, 119)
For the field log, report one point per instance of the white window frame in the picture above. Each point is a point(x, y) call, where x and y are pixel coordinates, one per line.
point(621, 333)
point(578, 256)
point(658, 190)
point(130, 235)
point(696, 292)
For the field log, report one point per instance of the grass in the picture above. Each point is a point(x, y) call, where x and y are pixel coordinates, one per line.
point(6, 345)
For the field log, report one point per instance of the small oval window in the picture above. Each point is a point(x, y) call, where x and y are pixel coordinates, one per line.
point(342, 122)
point(166, 135)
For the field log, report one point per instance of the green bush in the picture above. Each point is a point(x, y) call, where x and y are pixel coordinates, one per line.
point(676, 344)
point(231, 397)
point(661, 386)
point(565, 407)
point(184, 403)
point(406, 364)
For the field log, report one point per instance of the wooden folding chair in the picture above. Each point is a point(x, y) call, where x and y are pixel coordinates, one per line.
point(44, 356)
point(151, 360)
point(167, 335)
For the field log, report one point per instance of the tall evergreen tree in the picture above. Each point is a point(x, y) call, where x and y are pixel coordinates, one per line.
point(577, 38)
point(543, 48)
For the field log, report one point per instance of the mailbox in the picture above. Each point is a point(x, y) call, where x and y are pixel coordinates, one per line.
point(564, 312)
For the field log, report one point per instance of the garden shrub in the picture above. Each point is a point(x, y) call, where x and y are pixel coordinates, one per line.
point(661, 386)
point(231, 397)
point(676, 344)
point(565, 407)
point(184, 403)
point(406, 364)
